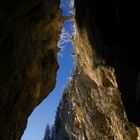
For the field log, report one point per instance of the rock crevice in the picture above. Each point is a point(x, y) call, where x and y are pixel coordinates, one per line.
point(104, 91)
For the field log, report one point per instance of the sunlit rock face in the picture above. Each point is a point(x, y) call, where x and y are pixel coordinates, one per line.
point(107, 58)
point(91, 108)
point(111, 32)
point(92, 112)
point(102, 100)
point(29, 32)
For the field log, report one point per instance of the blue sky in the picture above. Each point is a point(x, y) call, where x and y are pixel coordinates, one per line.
point(45, 112)
point(67, 7)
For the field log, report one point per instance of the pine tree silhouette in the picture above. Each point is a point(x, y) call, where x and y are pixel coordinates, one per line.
point(53, 133)
point(47, 135)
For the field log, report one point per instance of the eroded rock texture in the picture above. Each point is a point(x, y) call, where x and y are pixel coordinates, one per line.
point(92, 107)
point(111, 31)
point(90, 111)
point(29, 32)
point(107, 64)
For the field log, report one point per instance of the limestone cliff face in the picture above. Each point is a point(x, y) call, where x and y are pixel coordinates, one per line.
point(92, 112)
point(101, 101)
point(29, 32)
point(111, 32)
point(107, 64)
point(91, 108)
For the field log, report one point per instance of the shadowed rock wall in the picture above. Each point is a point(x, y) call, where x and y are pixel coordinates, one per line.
point(107, 64)
point(107, 57)
point(29, 32)
point(111, 29)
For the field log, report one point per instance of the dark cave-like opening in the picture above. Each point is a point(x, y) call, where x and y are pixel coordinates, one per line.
point(111, 27)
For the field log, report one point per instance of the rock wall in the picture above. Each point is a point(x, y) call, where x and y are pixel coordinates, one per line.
point(102, 100)
point(111, 32)
point(92, 112)
point(107, 64)
point(91, 108)
point(29, 31)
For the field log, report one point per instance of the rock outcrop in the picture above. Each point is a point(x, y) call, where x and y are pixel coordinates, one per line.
point(111, 33)
point(29, 31)
point(89, 111)
point(104, 86)
point(102, 100)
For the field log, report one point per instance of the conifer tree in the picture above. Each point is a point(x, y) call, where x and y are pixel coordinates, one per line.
point(53, 133)
point(47, 133)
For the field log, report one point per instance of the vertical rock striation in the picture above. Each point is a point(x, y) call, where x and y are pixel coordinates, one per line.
point(89, 112)
point(29, 32)
point(107, 57)
point(111, 32)
point(92, 107)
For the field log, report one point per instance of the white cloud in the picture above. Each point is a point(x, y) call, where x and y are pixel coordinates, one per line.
point(64, 38)
point(71, 5)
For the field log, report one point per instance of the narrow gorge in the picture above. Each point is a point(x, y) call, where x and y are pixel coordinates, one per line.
point(102, 100)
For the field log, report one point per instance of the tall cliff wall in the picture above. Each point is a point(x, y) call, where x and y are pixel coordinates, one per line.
point(29, 31)
point(111, 32)
point(91, 108)
point(107, 64)
point(92, 112)
point(102, 100)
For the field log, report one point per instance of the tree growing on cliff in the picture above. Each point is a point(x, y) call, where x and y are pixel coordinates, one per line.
point(47, 135)
point(53, 133)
